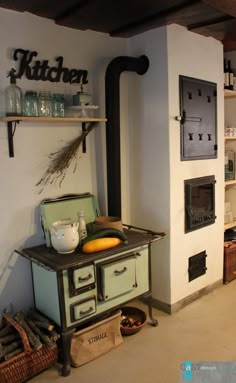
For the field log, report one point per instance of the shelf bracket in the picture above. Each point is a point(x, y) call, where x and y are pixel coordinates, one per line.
point(84, 140)
point(11, 131)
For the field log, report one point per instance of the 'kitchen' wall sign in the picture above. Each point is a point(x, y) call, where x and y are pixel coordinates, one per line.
point(40, 70)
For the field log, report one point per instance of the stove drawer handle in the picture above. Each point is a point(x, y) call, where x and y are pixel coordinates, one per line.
point(118, 272)
point(86, 311)
point(85, 279)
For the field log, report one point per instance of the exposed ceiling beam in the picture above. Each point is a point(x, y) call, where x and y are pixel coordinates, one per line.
point(225, 6)
point(229, 45)
point(126, 18)
point(157, 19)
point(209, 22)
point(70, 10)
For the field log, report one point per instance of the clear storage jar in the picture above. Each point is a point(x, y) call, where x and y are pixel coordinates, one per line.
point(34, 105)
point(58, 105)
point(30, 104)
point(45, 104)
point(26, 102)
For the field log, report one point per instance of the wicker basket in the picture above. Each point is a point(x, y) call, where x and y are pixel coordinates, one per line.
point(27, 364)
point(229, 262)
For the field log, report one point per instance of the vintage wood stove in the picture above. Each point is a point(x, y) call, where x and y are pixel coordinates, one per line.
point(73, 289)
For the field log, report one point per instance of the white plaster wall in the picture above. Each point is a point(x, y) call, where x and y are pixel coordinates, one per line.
point(20, 224)
point(149, 152)
point(196, 56)
point(158, 183)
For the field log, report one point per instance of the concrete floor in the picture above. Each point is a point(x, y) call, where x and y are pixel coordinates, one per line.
point(202, 331)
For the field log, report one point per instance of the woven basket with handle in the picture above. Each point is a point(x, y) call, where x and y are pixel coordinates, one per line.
point(28, 363)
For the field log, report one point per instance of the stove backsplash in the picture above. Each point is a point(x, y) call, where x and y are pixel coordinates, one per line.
point(199, 202)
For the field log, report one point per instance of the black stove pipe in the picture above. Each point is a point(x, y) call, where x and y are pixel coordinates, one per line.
point(112, 94)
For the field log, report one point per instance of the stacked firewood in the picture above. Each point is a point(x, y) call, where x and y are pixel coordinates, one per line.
point(39, 330)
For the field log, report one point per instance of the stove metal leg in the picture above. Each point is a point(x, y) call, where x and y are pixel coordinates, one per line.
point(65, 352)
point(148, 300)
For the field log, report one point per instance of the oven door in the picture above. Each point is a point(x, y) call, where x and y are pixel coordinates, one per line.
point(117, 277)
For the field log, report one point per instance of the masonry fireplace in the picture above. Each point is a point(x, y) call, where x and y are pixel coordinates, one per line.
point(199, 202)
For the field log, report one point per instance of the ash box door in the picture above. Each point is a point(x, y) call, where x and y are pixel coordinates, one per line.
point(198, 100)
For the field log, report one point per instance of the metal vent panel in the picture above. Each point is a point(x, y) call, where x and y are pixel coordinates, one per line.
point(197, 265)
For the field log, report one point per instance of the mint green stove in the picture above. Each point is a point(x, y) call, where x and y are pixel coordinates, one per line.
point(73, 289)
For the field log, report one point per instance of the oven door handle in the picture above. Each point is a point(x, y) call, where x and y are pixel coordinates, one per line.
point(86, 312)
point(119, 272)
point(84, 279)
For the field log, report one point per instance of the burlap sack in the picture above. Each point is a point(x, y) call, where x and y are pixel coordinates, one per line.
point(96, 340)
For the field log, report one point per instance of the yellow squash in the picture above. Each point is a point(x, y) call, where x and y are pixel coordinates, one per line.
point(100, 244)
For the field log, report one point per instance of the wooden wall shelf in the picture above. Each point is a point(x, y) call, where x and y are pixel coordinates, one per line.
point(13, 120)
point(229, 225)
point(51, 119)
point(229, 93)
point(230, 183)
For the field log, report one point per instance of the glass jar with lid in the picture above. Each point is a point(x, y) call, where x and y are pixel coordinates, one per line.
point(58, 105)
point(30, 104)
point(26, 103)
point(34, 105)
point(45, 104)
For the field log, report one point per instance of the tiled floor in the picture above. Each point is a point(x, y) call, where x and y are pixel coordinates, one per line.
point(205, 330)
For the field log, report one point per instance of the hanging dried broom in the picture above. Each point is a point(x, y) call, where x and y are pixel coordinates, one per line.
point(61, 160)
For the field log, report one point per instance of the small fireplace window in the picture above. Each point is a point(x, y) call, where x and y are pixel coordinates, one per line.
point(199, 202)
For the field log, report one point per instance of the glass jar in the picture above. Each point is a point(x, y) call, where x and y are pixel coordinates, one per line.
point(58, 105)
point(82, 226)
point(45, 104)
point(34, 105)
point(26, 103)
point(30, 104)
point(13, 96)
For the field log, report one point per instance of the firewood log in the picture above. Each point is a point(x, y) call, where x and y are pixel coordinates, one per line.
point(7, 329)
point(9, 338)
point(44, 325)
point(4, 350)
point(54, 336)
point(33, 339)
point(35, 315)
point(14, 353)
point(44, 338)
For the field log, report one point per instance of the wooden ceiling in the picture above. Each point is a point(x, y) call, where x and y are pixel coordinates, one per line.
point(126, 18)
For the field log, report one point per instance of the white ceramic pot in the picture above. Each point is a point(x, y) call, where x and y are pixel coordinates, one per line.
point(64, 236)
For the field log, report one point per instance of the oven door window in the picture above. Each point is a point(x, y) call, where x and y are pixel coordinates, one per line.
point(118, 277)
